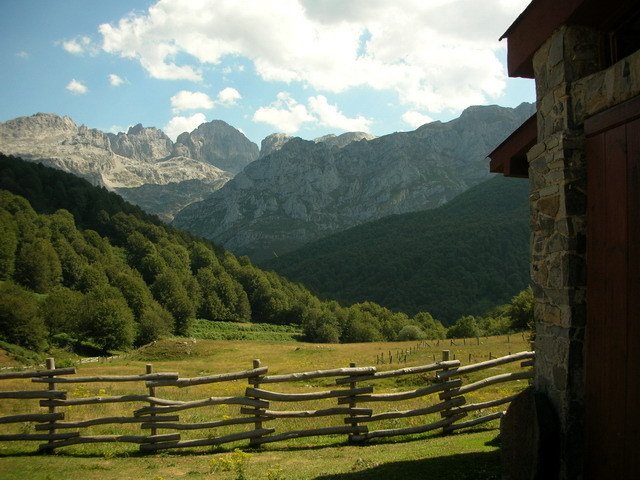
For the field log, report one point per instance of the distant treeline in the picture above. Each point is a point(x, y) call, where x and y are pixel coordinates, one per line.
point(78, 264)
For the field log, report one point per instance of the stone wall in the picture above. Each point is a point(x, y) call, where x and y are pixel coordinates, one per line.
point(557, 175)
point(571, 85)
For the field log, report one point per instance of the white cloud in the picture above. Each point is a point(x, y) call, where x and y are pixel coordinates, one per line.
point(115, 129)
point(115, 80)
point(228, 96)
point(237, 68)
point(186, 100)
point(285, 114)
point(416, 119)
point(79, 46)
point(330, 116)
point(22, 54)
point(436, 55)
point(76, 87)
point(179, 124)
point(288, 116)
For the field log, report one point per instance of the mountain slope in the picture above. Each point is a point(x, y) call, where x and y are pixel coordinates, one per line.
point(462, 258)
point(306, 190)
point(107, 273)
point(204, 158)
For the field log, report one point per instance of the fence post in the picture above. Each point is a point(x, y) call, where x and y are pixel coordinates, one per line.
point(257, 412)
point(352, 404)
point(152, 393)
point(51, 365)
point(445, 413)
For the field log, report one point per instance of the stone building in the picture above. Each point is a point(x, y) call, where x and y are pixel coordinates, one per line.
point(581, 153)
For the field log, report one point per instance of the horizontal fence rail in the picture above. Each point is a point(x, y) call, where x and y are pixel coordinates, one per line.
point(355, 409)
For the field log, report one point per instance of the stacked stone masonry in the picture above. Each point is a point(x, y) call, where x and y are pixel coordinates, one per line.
point(572, 84)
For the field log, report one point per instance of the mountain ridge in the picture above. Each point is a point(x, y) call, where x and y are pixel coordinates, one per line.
point(476, 244)
point(304, 190)
point(125, 162)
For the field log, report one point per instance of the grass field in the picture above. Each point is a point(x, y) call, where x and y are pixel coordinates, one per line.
point(473, 455)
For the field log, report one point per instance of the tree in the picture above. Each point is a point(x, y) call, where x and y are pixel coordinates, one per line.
point(132, 287)
point(105, 318)
point(433, 329)
point(202, 257)
point(155, 322)
point(60, 310)
point(8, 244)
point(465, 327)
point(38, 266)
point(172, 295)
point(411, 332)
point(521, 310)
point(320, 325)
point(20, 319)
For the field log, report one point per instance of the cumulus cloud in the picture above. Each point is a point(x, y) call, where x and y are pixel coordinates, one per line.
point(288, 116)
point(416, 119)
point(228, 96)
point(179, 124)
point(285, 114)
point(186, 100)
point(436, 55)
point(329, 116)
point(79, 46)
point(76, 87)
point(22, 54)
point(115, 80)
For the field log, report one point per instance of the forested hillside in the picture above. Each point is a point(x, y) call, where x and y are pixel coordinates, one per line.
point(79, 263)
point(462, 258)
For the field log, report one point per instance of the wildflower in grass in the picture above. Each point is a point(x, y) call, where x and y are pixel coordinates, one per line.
point(231, 462)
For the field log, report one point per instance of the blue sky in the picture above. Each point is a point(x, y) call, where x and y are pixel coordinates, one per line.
point(304, 67)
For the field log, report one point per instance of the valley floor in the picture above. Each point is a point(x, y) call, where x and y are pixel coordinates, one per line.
point(466, 455)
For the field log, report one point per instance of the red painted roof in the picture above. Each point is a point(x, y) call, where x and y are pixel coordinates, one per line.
point(538, 21)
point(510, 157)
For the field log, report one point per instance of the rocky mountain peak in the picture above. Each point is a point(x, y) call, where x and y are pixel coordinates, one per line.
point(276, 141)
point(125, 162)
point(147, 144)
point(273, 142)
point(219, 144)
point(40, 124)
point(340, 141)
point(136, 129)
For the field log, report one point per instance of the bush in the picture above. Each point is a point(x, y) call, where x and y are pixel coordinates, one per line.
point(155, 323)
point(465, 327)
point(38, 266)
point(106, 320)
point(20, 320)
point(60, 310)
point(411, 332)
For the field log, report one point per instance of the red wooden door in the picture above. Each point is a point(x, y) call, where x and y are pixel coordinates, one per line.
point(613, 294)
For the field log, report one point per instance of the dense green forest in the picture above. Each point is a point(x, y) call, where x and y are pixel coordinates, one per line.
point(79, 264)
point(462, 258)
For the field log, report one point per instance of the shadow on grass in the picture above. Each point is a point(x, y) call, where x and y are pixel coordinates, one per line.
point(467, 466)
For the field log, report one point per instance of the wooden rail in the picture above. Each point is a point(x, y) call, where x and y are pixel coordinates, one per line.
point(355, 409)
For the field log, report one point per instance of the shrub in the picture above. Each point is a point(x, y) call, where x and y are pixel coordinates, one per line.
point(411, 332)
point(20, 320)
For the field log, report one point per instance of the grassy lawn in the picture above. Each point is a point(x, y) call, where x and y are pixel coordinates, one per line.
point(462, 455)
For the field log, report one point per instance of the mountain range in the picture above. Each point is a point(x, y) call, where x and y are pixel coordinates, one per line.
point(265, 202)
point(143, 165)
point(299, 191)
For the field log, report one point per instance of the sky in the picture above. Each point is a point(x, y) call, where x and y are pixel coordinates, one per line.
point(303, 67)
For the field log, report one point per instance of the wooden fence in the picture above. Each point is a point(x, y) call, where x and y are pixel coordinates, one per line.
point(356, 411)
